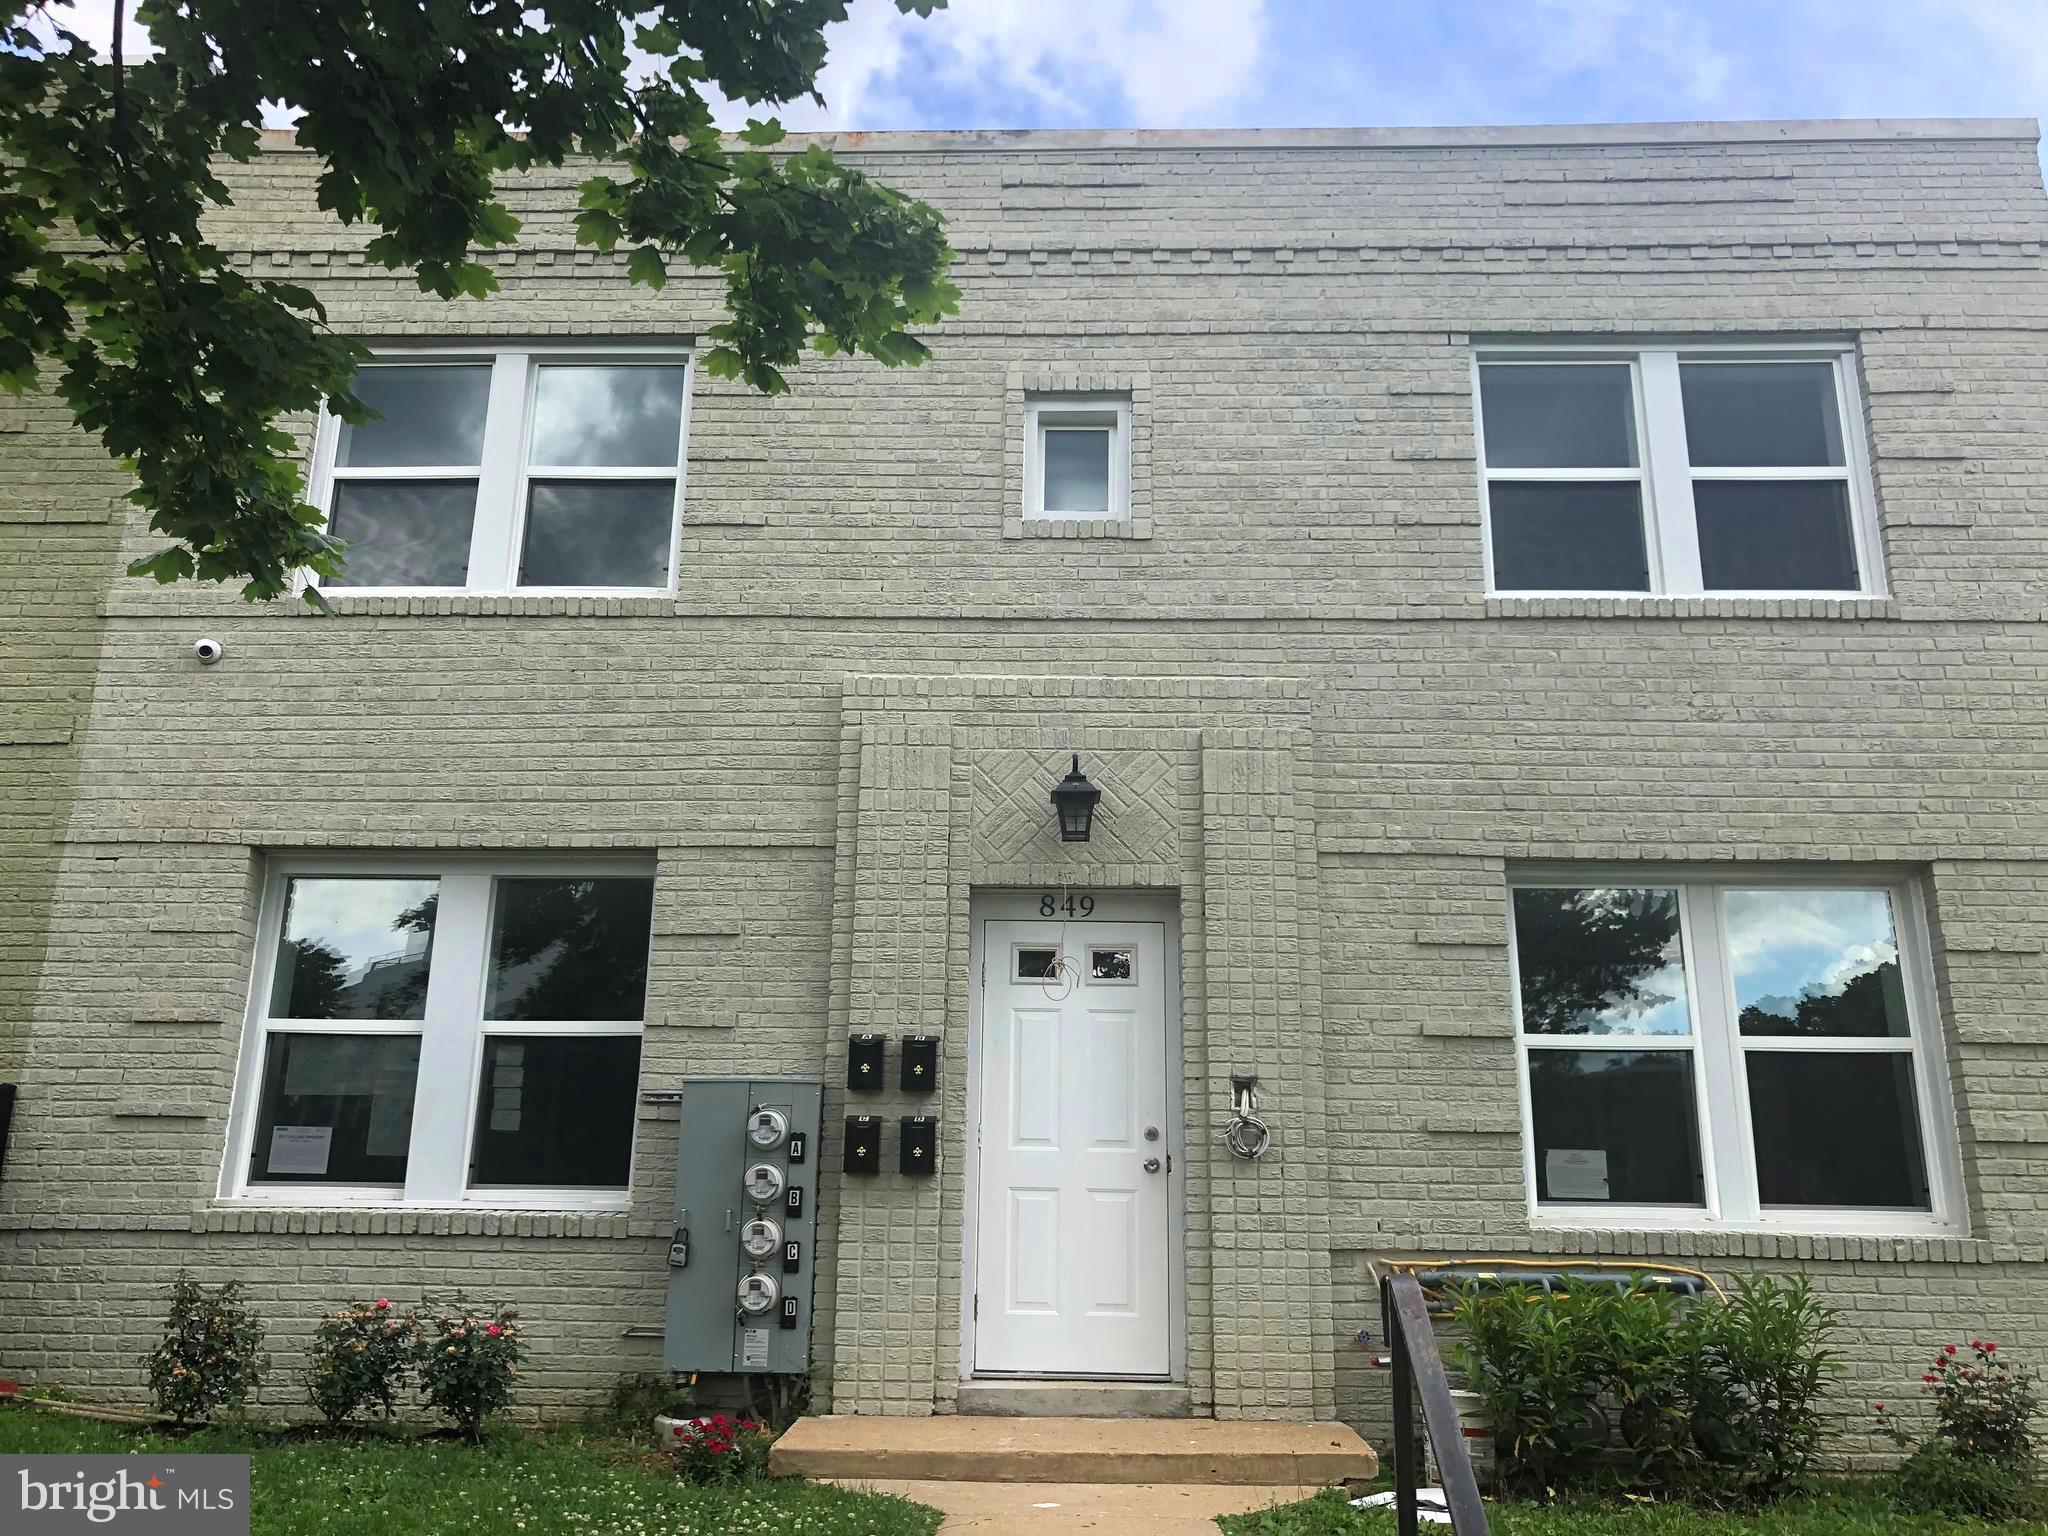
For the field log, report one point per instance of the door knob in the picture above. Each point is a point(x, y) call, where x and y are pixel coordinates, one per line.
point(1151, 1165)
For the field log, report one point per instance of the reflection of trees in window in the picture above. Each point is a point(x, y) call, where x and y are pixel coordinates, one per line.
point(317, 988)
point(1585, 953)
point(1872, 1005)
point(571, 949)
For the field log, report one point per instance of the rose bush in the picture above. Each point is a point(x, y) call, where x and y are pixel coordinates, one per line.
point(212, 1354)
point(718, 1449)
point(467, 1363)
point(361, 1357)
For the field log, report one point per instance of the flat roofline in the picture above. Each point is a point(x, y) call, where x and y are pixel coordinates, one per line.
point(1035, 140)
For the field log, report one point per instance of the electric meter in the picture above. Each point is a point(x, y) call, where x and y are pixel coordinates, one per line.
point(767, 1128)
point(760, 1237)
point(758, 1294)
point(764, 1183)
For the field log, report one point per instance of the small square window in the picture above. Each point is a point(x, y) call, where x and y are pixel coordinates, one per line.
point(1078, 458)
point(1112, 965)
point(1037, 964)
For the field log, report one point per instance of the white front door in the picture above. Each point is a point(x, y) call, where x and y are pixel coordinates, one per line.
point(1074, 1247)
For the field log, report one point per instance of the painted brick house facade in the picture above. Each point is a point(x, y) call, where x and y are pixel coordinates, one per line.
point(1358, 740)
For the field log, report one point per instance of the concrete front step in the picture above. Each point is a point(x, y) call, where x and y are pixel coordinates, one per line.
point(1075, 1400)
point(1041, 1450)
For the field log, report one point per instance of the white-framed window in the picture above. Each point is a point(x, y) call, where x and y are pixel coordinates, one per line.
point(1737, 471)
point(443, 1031)
point(540, 469)
point(1743, 1050)
point(1077, 457)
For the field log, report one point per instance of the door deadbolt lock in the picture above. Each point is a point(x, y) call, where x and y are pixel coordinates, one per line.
point(1151, 1133)
point(1151, 1165)
point(764, 1183)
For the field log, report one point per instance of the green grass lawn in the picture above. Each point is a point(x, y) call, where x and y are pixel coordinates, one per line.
point(1848, 1511)
point(567, 1481)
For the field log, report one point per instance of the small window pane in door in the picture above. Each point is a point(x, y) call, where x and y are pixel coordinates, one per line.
point(427, 416)
point(1775, 535)
point(1559, 415)
point(1816, 963)
point(335, 1109)
point(1618, 1127)
point(1837, 1129)
point(1112, 964)
point(354, 948)
point(556, 1111)
point(1600, 961)
point(403, 533)
point(571, 950)
point(588, 415)
point(1077, 469)
point(1037, 964)
point(598, 533)
point(1752, 415)
point(1552, 537)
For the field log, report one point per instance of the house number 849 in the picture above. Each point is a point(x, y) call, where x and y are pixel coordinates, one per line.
point(1050, 905)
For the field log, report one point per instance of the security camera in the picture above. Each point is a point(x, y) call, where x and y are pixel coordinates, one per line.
point(208, 651)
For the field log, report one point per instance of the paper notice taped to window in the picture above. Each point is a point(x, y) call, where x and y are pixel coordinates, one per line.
point(1574, 1174)
point(300, 1149)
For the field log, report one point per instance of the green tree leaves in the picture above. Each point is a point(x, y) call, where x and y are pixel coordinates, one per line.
point(183, 365)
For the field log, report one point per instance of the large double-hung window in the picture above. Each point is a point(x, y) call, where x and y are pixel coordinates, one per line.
point(444, 1030)
point(521, 471)
point(1731, 471)
point(1754, 1051)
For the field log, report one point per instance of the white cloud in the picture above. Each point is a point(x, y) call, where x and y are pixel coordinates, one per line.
point(1160, 63)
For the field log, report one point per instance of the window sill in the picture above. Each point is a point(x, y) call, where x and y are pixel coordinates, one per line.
point(1077, 527)
point(1697, 1229)
point(1501, 605)
point(392, 1220)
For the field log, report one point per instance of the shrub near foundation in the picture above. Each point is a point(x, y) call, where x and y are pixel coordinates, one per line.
point(1979, 1462)
point(467, 1363)
point(212, 1354)
point(1597, 1387)
point(361, 1357)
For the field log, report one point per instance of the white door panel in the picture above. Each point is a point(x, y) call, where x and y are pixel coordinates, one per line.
point(1074, 1269)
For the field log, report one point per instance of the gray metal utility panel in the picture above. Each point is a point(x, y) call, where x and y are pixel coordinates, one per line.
point(741, 1262)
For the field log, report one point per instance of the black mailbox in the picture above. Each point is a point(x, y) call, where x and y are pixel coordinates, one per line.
point(867, 1062)
point(863, 1144)
point(920, 1063)
point(918, 1153)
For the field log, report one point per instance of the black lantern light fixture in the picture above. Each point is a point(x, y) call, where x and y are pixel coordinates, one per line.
point(1074, 798)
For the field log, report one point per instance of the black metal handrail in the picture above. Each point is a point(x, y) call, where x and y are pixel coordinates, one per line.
point(1411, 1337)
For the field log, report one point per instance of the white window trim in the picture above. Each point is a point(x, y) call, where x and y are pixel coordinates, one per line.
point(499, 529)
point(1720, 1092)
point(451, 1043)
point(1665, 471)
point(1055, 411)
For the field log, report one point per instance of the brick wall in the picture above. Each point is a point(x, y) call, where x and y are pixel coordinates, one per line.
point(1341, 744)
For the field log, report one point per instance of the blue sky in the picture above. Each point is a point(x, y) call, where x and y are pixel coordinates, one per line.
point(1291, 63)
point(1254, 63)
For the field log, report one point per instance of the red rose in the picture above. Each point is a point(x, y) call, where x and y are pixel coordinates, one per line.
point(1990, 1348)
point(383, 1305)
point(1948, 1349)
point(1880, 1407)
point(1930, 1378)
point(494, 1330)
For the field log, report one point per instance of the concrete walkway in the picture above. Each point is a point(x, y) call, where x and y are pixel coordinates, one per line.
point(1061, 1509)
